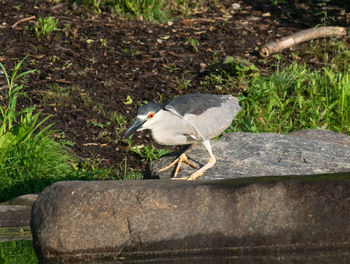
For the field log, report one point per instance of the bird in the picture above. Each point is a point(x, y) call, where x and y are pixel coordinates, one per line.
point(187, 120)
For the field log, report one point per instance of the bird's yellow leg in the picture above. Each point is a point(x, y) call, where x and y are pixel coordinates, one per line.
point(178, 161)
point(200, 172)
point(210, 164)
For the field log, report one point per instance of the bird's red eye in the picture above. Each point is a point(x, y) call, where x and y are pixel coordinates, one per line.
point(150, 115)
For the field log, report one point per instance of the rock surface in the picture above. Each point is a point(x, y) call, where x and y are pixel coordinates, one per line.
point(15, 218)
point(26, 199)
point(14, 215)
point(75, 220)
point(16, 212)
point(246, 154)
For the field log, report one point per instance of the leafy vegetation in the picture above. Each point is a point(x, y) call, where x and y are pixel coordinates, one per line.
point(26, 153)
point(148, 152)
point(296, 97)
point(289, 97)
point(30, 158)
point(44, 26)
point(15, 252)
point(149, 10)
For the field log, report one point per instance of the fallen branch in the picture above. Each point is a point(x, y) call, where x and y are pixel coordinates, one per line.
point(22, 20)
point(299, 37)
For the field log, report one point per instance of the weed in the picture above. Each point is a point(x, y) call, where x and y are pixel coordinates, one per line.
point(119, 122)
point(334, 54)
point(9, 114)
point(150, 10)
point(44, 26)
point(148, 153)
point(232, 73)
point(278, 2)
point(26, 154)
point(98, 124)
point(325, 19)
point(128, 100)
point(129, 173)
point(103, 42)
point(184, 83)
point(173, 68)
point(194, 43)
point(90, 169)
point(132, 51)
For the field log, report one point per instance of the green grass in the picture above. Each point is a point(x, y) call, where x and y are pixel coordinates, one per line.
point(17, 252)
point(289, 97)
point(296, 97)
point(30, 158)
point(148, 10)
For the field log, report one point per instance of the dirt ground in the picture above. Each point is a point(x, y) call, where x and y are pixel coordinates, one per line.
point(89, 68)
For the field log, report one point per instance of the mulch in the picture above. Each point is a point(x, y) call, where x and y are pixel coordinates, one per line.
point(101, 60)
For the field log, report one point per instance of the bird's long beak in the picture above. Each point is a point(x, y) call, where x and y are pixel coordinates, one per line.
point(135, 126)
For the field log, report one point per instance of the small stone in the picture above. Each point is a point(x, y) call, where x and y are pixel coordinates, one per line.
point(266, 14)
point(236, 6)
point(203, 66)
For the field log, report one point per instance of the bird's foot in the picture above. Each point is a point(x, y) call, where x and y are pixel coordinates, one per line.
point(201, 171)
point(183, 178)
point(178, 161)
point(190, 178)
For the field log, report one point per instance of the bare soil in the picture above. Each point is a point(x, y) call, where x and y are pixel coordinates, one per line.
point(88, 68)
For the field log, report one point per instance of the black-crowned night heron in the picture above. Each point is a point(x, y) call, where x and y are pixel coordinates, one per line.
point(187, 119)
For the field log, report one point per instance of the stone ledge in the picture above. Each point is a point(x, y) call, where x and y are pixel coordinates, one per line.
point(15, 218)
point(14, 215)
point(73, 220)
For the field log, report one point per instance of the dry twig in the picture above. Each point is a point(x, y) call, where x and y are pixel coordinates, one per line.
point(301, 36)
point(22, 20)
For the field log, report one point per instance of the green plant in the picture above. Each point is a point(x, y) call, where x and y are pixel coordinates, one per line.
point(151, 10)
point(44, 26)
point(15, 252)
point(293, 98)
point(278, 2)
point(173, 68)
point(119, 122)
point(184, 83)
point(194, 43)
point(325, 19)
point(334, 54)
point(129, 173)
point(11, 131)
point(103, 42)
point(148, 152)
point(26, 148)
point(240, 67)
point(231, 73)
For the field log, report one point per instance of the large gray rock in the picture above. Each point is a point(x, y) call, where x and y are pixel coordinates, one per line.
point(322, 135)
point(248, 154)
point(114, 219)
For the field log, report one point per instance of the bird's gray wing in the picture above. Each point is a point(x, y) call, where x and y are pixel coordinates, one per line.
point(197, 135)
point(209, 115)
